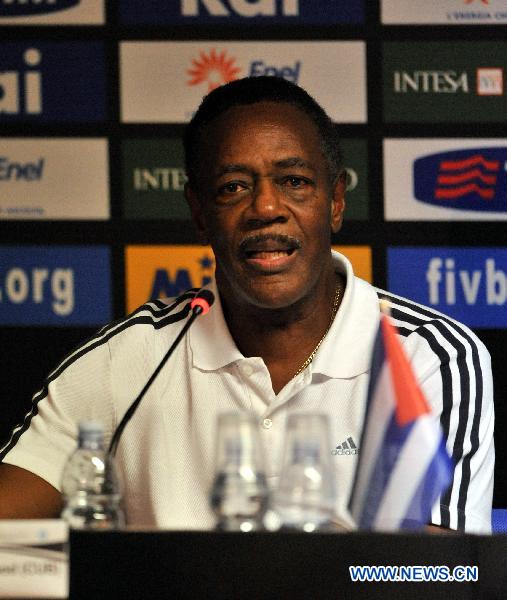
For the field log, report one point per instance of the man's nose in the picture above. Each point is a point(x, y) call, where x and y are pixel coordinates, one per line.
point(267, 202)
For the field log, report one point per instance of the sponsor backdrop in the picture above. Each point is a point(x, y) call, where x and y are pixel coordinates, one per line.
point(32, 185)
point(450, 12)
point(445, 179)
point(154, 178)
point(94, 97)
point(468, 284)
point(48, 82)
point(212, 12)
point(181, 73)
point(57, 285)
point(441, 82)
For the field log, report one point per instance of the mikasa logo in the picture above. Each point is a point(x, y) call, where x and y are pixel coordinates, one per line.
point(17, 8)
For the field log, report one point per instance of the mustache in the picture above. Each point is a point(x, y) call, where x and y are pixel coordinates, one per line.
point(286, 241)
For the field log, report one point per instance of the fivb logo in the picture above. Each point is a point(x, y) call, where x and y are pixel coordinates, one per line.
point(445, 280)
point(21, 91)
point(471, 179)
point(18, 8)
point(469, 284)
point(242, 8)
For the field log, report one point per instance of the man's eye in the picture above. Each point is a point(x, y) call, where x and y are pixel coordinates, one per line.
point(231, 188)
point(296, 182)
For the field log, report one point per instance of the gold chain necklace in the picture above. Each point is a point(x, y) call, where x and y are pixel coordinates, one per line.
point(336, 303)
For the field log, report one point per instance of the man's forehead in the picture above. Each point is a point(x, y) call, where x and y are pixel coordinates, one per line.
point(224, 168)
point(283, 123)
point(261, 112)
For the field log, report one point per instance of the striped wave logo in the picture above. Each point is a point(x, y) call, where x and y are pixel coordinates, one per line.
point(474, 175)
point(20, 8)
point(472, 179)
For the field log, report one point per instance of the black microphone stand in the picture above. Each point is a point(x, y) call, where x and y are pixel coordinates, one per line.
point(196, 311)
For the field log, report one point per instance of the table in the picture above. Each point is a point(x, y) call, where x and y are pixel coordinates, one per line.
point(193, 565)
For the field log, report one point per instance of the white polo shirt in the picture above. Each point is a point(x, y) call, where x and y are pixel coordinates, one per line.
point(166, 453)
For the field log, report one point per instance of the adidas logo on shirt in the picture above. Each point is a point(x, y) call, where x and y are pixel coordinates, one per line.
point(347, 447)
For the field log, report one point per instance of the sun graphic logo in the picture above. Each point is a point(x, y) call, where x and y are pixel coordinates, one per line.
point(213, 68)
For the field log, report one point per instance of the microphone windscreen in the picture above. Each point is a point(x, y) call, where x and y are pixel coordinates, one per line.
point(204, 299)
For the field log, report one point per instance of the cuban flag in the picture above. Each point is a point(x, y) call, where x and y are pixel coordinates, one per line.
point(403, 465)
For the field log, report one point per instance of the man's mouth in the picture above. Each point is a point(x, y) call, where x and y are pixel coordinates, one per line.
point(269, 251)
point(268, 254)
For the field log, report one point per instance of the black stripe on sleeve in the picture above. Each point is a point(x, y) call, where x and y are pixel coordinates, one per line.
point(448, 329)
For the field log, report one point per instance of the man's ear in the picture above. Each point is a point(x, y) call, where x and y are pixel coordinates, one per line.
point(338, 202)
point(196, 211)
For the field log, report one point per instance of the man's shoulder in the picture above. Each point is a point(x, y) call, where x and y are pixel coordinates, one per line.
point(156, 318)
point(438, 329)
point(156, 314)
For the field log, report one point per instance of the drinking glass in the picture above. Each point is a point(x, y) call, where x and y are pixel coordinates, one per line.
point(239, 494)
point(306, 493)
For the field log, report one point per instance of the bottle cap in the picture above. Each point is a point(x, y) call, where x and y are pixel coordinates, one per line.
point(92, 431)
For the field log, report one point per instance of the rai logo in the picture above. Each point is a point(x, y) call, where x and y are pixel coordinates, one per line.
point(213, 68)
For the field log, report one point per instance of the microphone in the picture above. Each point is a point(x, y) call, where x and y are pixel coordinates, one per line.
point(200, 305)
point(202, 302)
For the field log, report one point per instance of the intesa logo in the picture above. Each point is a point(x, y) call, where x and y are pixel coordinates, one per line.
point(19, 8)
point(472, 179)
point(214, 68)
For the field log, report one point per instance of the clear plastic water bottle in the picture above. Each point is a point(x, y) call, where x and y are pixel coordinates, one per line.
point(239, 494)
point(90, 484)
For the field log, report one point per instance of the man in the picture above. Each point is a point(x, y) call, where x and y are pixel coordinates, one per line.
point(291, 330)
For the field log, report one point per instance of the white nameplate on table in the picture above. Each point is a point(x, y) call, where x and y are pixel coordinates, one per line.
point(33, 560)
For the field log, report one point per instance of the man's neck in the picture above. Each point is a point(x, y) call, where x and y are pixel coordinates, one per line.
point(283, 338)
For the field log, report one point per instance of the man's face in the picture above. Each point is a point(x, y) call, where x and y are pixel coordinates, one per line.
point(265, 202)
